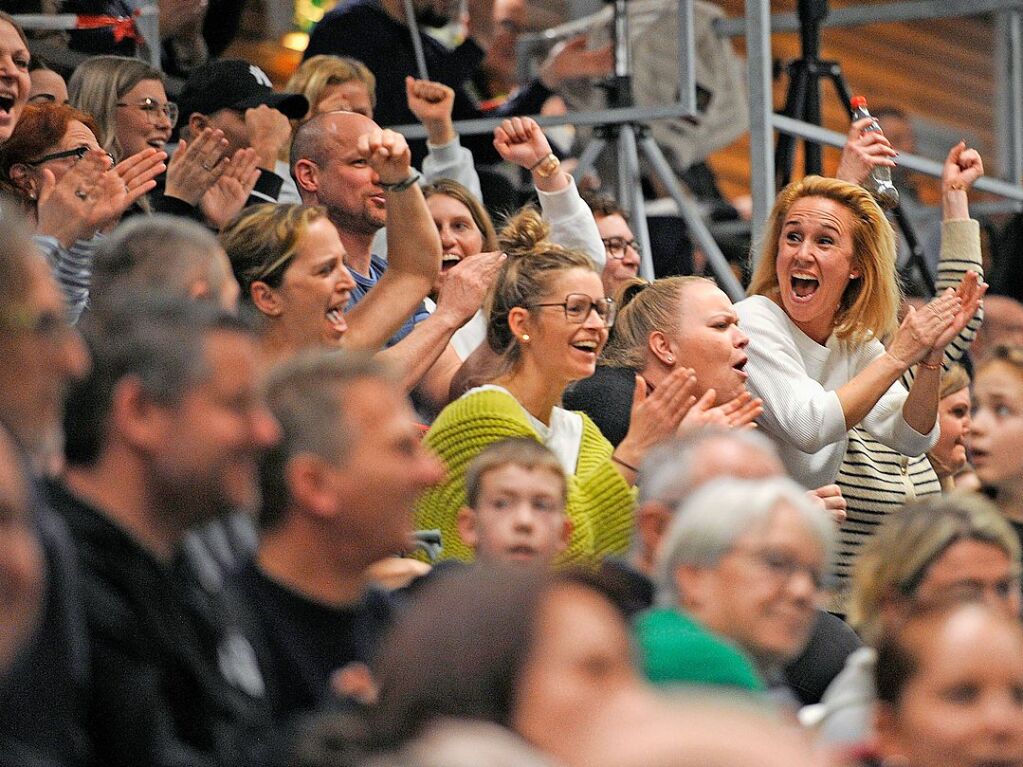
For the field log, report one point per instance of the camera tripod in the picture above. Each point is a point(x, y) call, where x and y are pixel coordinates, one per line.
point(803, 102)
point(629, 138)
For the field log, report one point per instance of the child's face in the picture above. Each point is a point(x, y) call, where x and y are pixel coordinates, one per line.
point(519, 516)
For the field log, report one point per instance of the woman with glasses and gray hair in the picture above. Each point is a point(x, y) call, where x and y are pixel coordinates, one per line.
point(547, 320)
point(128, 100)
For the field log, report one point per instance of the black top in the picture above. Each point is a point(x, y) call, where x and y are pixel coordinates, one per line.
point(43, 696)
point(606, 397)
point(301, 642)
point(362, 30)
point(162, 655)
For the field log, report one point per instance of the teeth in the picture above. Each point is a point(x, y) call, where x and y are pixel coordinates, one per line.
point(452, 258)
point(334, 315)
point(590, 345)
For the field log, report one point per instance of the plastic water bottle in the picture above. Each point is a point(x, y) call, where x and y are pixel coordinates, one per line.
point(879, 182)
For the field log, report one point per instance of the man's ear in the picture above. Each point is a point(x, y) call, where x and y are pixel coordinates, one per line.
point(265, 298)
point(652, 520)
point(135, 418)
point(196, 124)
point(307, 176)
point(307, 479)
point(466, 522)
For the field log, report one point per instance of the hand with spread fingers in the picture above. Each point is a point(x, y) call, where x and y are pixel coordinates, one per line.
point(196, 166)
point(63, 209)
point(740, 412)
point(656, 415)
point(227, 196)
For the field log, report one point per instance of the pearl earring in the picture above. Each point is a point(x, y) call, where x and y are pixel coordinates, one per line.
point(525, 337)
point(671, 359)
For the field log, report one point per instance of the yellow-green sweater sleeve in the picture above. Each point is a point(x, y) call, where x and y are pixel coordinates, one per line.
point(600, 501)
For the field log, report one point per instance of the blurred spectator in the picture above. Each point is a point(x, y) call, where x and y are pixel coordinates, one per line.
point(338, 492)
point(374, 32)
point(1003, 324)
point(163, 434)
point(746, 560)
point(47, 85)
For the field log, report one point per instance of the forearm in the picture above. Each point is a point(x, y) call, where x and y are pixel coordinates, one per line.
point(921, 408)
point(863, 391)
point(413, 245)
point(572, 222)
point(419, 350)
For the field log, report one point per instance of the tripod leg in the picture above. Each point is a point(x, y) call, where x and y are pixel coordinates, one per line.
point(591, 152)
point(795, 104)
point(694, 221)
point(631, 195)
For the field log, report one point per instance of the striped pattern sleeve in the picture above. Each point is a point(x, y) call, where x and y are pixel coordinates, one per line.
point(960, 253)
point(72, 268)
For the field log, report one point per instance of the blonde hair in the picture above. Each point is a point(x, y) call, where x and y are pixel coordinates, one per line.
point(263, 239)
point(894, 563)
point(517, 451)
point(318, 73)
point(870, 304)
point(643, 308)
point(952, 380)
point(534, 262)
point(1010, 354)
point(98, 84)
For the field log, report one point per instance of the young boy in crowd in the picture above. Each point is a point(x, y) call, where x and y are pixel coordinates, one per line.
point(517, 492)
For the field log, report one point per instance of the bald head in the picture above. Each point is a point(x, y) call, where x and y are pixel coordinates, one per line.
point(317, 139)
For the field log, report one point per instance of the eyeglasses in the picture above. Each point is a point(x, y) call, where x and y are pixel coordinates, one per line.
point(152, 109)
point(77, 153)
point(615, 246)
point(578, 306)
point(780, 567)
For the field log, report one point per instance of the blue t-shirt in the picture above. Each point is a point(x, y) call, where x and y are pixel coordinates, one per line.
point(377, 267)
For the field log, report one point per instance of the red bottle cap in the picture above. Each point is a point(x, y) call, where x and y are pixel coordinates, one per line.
point(858, 101)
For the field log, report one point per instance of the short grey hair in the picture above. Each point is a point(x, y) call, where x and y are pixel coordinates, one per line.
point(156, 254)
point(666, 474)
point(306, 396)
point(712, 520)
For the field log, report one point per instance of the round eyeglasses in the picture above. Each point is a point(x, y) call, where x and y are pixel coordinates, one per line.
point(153, 108)
point(578, 306)
point(615, 246)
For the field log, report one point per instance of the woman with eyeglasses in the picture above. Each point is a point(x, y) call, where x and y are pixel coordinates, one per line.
point(548, 319)
point(129, 102)
point(70, 187)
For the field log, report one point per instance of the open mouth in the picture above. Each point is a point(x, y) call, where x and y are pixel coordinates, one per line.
point(740, 368)
point(157, 143)
point(448, 260)
point(804, 285)
point(7, 102)
point(590, 347)
point(337, 320)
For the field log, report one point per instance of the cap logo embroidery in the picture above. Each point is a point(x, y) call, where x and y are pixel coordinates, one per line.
point(260, 76)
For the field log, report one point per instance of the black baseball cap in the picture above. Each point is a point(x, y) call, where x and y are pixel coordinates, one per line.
point(235, 84)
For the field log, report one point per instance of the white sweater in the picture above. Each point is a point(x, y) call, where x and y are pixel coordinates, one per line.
point(797, 378)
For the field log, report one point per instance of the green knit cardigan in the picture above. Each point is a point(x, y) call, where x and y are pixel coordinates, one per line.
point(600, 501)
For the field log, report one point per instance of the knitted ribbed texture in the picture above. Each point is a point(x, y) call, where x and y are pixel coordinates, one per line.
point(875, 480)
point(600, 501)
